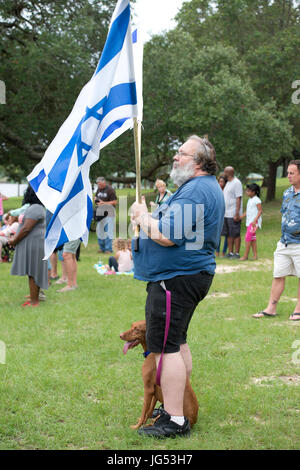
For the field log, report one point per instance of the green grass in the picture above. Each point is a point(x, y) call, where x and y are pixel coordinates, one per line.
point(67, 385)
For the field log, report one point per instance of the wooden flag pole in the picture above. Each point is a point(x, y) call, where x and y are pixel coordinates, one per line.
point(137, 149)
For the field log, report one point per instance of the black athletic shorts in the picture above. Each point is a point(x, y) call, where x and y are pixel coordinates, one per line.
point(231, 228)
point(186, 292)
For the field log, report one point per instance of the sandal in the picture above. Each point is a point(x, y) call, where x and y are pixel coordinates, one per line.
point(293, 315)
point(263, 314)
point(61, 281)
point(67, 289)
point(29, 304)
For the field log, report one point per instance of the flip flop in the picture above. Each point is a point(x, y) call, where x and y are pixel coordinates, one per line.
point(67, 289)
point(29, 304)
point(294, 314)
point(61, 281)
point(263, 314)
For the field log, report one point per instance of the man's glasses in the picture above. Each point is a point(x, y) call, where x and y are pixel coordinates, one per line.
point(183, 154)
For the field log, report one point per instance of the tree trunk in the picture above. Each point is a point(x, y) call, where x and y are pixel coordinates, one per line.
point(285, 167)
point(272, 180)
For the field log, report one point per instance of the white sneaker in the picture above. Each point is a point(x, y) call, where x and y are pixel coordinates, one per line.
point(61, 281)
point(42, 295)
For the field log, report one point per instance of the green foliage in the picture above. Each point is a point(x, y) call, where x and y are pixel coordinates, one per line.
point(225, 71)
point(266, 36)
point(49, 50)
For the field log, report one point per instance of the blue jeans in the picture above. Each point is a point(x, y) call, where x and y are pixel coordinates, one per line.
point(105, 233)
point(224, 247)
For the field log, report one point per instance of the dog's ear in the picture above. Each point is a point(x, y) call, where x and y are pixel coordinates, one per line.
point(141, 325)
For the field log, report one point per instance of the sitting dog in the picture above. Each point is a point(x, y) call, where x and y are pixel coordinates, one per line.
point(152, 392)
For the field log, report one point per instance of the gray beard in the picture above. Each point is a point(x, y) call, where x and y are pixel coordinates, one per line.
point(180, 175)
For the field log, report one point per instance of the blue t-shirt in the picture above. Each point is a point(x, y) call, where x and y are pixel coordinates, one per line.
point(290, 224)
point(193, 219)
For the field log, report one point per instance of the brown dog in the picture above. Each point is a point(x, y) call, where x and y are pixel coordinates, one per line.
point(152, 392)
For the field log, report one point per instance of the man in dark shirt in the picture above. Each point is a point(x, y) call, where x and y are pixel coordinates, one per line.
point(105, 200)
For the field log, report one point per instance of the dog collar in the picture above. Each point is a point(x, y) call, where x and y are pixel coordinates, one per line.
point(146, 354)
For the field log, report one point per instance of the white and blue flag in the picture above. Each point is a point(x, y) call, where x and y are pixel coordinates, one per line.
point(104, 109)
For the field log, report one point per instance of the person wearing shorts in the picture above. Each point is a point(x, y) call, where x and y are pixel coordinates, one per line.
point(253, 219)
point(70, 265)
point(177, 255)
point(287, 254)
point(232, 229)
point(233, 194)
point(186, 292)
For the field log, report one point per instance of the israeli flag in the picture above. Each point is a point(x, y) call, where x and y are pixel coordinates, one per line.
point(104, 109)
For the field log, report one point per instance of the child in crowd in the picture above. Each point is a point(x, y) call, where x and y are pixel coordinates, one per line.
point(122, 261)
point(253, 219)
point(19, 211)
point(8, 232)
point(2, 198)
point(5, 221)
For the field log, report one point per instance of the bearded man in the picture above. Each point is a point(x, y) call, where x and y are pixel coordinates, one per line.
point(177, 254)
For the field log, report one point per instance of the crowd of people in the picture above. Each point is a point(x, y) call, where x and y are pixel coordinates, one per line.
point(178, 270)
point(22, 230)
point(120, 259)
point(233, 195)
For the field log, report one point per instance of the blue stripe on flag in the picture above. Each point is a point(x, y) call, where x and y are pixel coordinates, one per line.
point(115, 38)
point(77, 187)
point(35, 182)
point(89, 216)
point(120, 95)
point(62, 239)
point(57, 174)
point(110, 129)
point(134, 36)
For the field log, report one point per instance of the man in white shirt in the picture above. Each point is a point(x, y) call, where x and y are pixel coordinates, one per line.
point(233, 195)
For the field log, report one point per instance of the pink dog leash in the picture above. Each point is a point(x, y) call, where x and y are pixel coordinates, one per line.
point(168, 318)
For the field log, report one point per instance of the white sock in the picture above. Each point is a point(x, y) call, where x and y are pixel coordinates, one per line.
point(178, 420)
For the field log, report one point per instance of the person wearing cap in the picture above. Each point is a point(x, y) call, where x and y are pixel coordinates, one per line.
point(105, 201)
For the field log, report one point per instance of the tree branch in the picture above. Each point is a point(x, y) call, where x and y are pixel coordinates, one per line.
point(146, 174)
point(15, 140)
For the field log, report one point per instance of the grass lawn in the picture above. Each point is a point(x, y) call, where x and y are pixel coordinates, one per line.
point(67, 385)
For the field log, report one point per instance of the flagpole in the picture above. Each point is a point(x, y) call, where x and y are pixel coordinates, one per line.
point(137, 126)
point(137, 150)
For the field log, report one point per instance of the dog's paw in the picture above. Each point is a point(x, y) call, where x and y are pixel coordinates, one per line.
point(135, 426)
